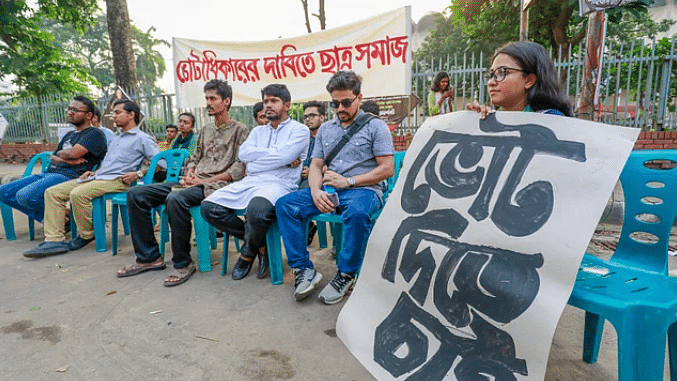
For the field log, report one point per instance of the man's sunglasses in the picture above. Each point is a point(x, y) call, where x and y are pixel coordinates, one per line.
point(344, 102)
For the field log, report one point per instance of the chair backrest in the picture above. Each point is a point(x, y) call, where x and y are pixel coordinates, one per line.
point(44, 160)
point(174, 158)
point(399, 160)
point(650, 196)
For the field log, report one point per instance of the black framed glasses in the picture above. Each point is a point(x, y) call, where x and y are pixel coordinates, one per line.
point(74, 110)
point(499, 73)
point(309, 116)
point(343, 102)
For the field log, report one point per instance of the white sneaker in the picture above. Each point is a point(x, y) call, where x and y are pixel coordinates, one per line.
point(304, 282)
point(335, 290)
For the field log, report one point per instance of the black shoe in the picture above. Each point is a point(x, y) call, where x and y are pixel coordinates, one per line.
point(79, 242)
point(312, 229)
point(242, 268)
point(46, 249)
point(263, 265)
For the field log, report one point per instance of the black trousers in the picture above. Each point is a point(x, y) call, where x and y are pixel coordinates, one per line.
point(258, 218)
point(140, 201)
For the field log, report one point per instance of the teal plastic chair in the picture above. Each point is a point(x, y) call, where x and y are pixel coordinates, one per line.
point(632, 289)
point(205, 235)
point(6, 210)
point(334, 220)
point(175, 158)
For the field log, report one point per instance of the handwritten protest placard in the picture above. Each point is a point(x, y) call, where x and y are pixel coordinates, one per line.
point(479, 244)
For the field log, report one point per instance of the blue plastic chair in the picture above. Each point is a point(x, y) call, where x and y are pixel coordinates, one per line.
point(336, 224)
point(174, 159)
point(6, 210)
point(632, 289)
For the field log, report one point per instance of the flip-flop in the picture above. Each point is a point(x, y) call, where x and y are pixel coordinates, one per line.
point(182, 274)
point(138, 268)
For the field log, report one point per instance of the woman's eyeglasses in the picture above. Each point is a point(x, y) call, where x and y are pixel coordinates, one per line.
point(343, 102)
point(499, 74)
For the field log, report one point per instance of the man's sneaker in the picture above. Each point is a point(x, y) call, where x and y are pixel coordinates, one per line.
point(305, 281)
point(335, 290)
point(46, 249)
point(78, 243)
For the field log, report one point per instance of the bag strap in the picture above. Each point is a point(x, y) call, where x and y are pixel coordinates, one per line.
point(359, 122)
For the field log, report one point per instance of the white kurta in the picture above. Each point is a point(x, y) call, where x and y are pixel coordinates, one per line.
point(267, 152)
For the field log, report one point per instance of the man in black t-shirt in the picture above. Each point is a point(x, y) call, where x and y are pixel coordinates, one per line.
point(79, 151)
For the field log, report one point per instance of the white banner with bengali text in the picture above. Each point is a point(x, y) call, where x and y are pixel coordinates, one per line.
point(377, 48)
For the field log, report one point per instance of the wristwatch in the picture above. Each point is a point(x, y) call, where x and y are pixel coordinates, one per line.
point(351, 181)
point(139, 175)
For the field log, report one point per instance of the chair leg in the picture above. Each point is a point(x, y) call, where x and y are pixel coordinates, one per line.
point(274, 244)
point(124, 215)
point(592, 337)
point(672, 351)
point(74, 226)
point(641, 347)
point(337, 238)
point(224, 257)
point(321, 233)
point(8, 221)
point(164, 229)
point(212, 237)
point(31, 229)
point(114, 229)
point(201, 227)
point(237, 244)
point(99, 219)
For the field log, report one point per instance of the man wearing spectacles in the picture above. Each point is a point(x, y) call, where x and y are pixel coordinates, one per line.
point(118, 169)
point(78, 152)
point(313, 117)
point(356, 172)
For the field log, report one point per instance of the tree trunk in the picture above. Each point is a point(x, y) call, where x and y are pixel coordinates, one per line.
point(119, 30)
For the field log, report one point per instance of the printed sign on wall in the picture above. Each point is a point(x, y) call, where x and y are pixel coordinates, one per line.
point(377, 48)
point(479, 244)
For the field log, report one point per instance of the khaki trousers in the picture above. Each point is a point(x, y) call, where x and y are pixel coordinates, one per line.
point(80, 196)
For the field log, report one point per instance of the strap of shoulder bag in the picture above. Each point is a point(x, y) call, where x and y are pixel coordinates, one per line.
point(359, 122)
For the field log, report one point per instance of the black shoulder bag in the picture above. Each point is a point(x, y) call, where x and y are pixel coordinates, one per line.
point(359, 122)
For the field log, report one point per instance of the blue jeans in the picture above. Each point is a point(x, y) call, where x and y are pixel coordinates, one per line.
point(28, 194)
point(356, 207)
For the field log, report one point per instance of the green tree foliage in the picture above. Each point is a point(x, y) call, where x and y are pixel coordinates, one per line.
point(28, 55)
point(484, 25)
point(92, 49)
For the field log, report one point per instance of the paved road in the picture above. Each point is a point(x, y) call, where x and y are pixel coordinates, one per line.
point(70, 313)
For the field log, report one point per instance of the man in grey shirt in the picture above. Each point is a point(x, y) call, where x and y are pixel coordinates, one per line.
point(117, 171)
point(356, 173)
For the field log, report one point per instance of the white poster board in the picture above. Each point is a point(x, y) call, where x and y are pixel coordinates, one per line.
point(377, 48)
point(3, 127)
point(479, 244)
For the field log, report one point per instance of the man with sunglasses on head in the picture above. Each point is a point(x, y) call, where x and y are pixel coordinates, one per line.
point(356, 172)
point(78, 152)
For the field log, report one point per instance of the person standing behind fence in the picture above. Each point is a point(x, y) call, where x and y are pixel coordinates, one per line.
point(441, 96)
point(522, 77)
point(78, 152)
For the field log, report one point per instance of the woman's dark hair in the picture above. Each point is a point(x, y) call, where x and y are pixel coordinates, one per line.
point(436, 82)
point(258, 106)
point(533, 59)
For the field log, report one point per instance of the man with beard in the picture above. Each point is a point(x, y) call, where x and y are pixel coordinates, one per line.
point(355, 172)
point(78, 152)
point(117, 171)
point(273, 155)
point(213, 164)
